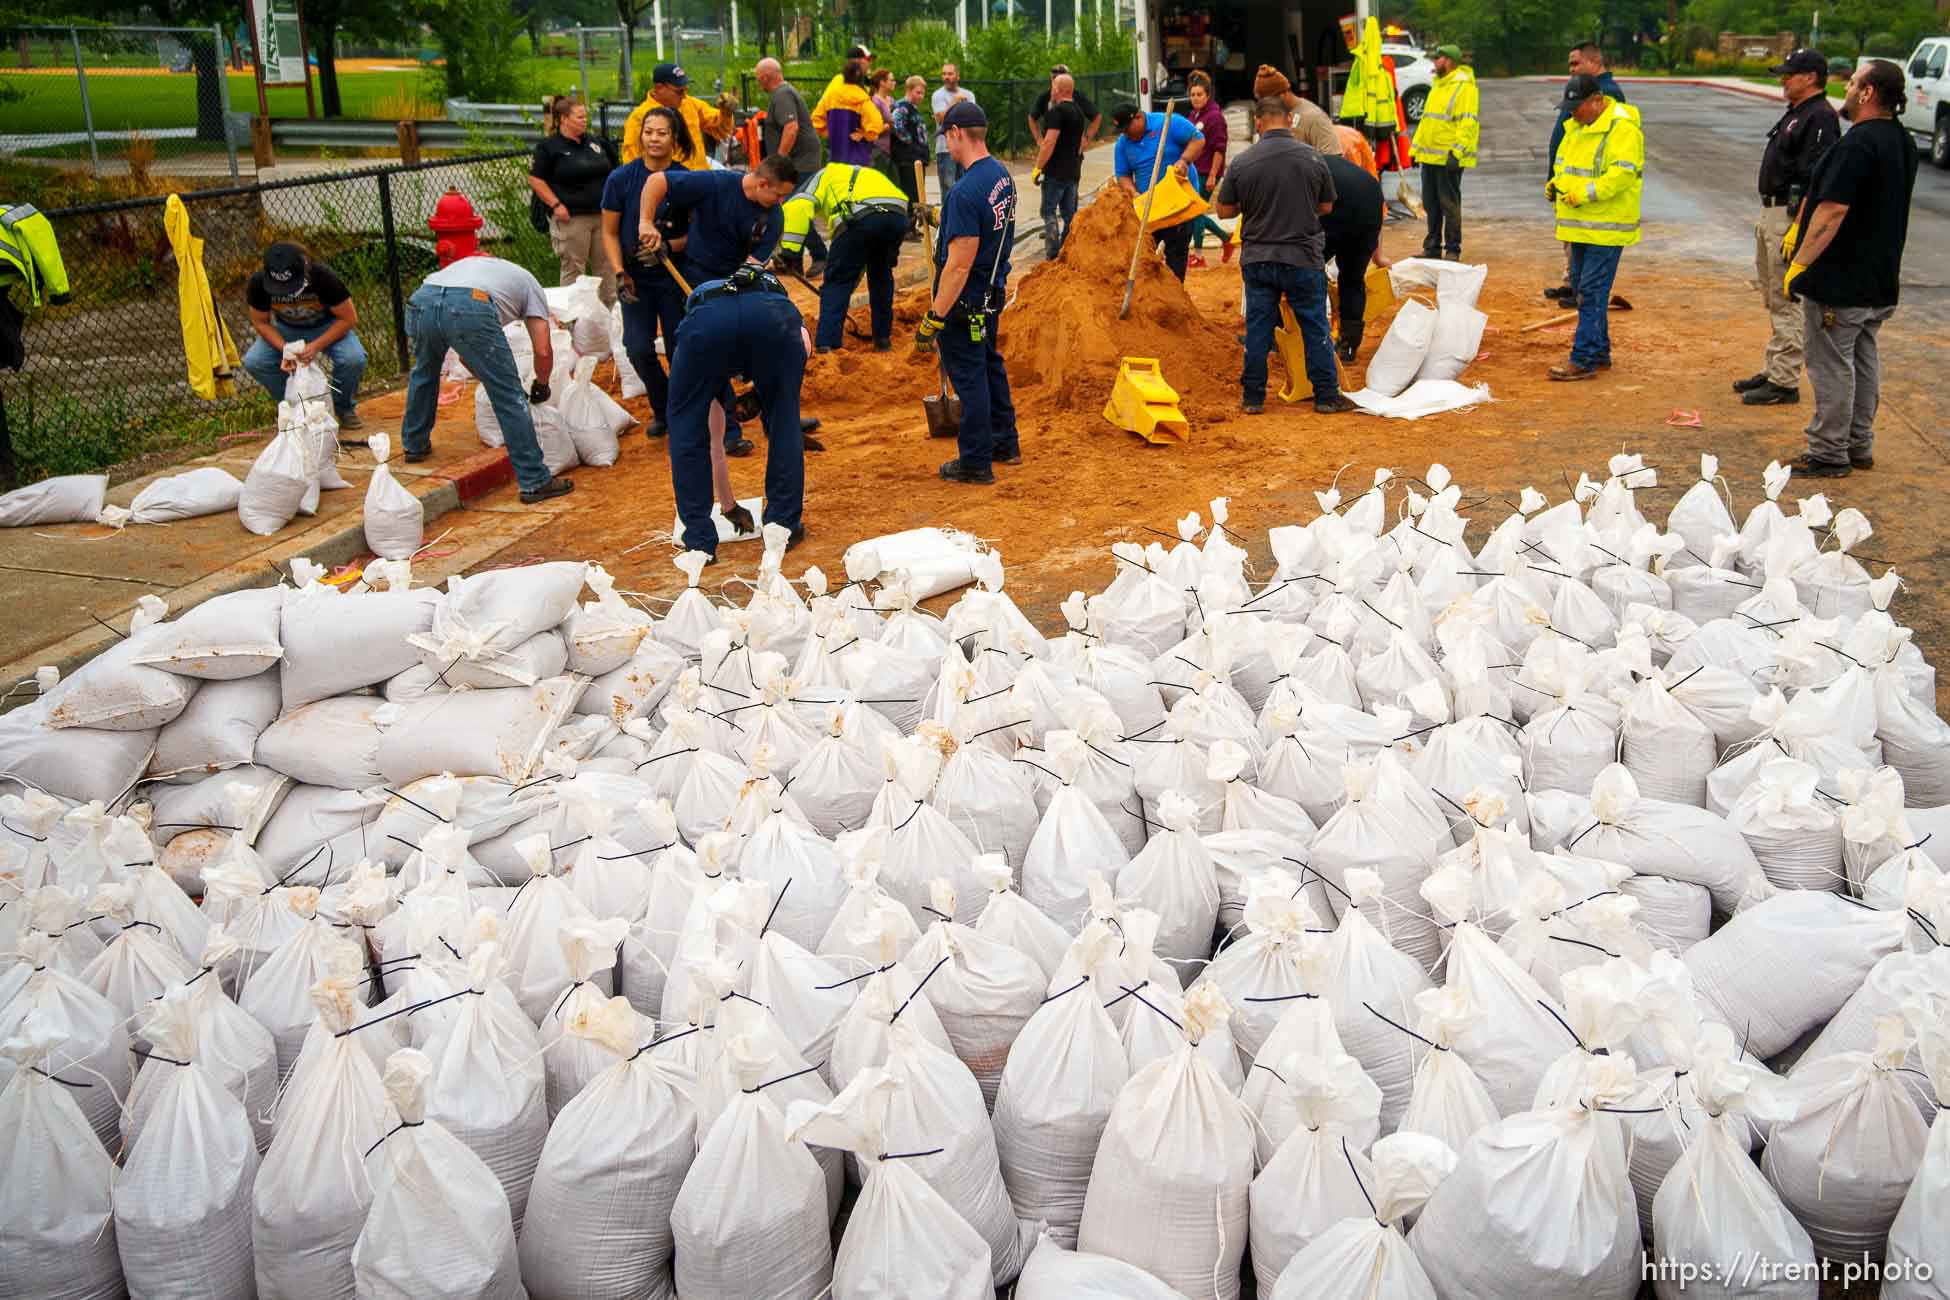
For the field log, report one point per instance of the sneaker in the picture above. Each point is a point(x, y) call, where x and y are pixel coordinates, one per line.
point(955, 472)
point(1569, 373)
point(1251, 407)
point(415, 457)
point(1604, 365)
point(349, 419)
point(1226, 252)
point(1013, 458)
point(1750, 383)
point(656, 429)
point(795, 537)
point(1196, 261)
point(1561, 293)
point(1771, 394)
point(1805, 467)
point(1865, 461)
point(555, 487)
point(883, 345)
point(741, 447)
point(1335, 405)
point(808, 423)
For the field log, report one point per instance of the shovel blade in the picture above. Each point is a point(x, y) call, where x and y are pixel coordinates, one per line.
point(944, 416)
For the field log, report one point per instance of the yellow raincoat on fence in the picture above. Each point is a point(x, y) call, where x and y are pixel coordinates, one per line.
point(1370, 95)
point(213, 360)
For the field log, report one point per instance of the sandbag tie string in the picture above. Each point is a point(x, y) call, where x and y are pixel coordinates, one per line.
point(557, 1008)
point(1285, 997)
point(1356, 1173)
point(618, 857)
point(12, 830)
point(1567, 1028)
point(909, 1155)
point(1049, 998)
point(540, 780)
point(1019, 722)
point(852, 979)
point(661, 757)
point(659, 1042)
point(405, 1123)
point(1120, 762)
point(1046, 772)
point(66, 1083)
point(1404, 1028)
point(422, 807)
point(331, 860)
point(161, 826)
point(148, 1056)
point(775, 907)
point(407, 1011)
point(783, 1078)
point(1175, 1023)
point(917, 990)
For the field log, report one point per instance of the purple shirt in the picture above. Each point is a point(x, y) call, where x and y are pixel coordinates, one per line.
point(1212, 120)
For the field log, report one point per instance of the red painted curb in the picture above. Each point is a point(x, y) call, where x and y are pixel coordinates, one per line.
point(481, 473)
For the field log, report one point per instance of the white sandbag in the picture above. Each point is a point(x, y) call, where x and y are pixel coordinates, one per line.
point(1072, 841)
point(439, 1227)
point(114, 692)
point(1453, 343)
point(37, 999)
point(1173, 875)
point(183, 1226)
point(1366, 979)
point(1063, 1077)
point(332, 742)
point(604, 633)
point(598, 1222)
point(313, 1188)
point(934, 560)
point(635, 687)
point(1794, 835)
point(1402, 350)
point(1375, 831)
point(1450, 1103)
point(1317, 1176)
point(983, 991)
point(1539, 1204)
point(1168, 1192)
point(987, 797)
point(1785, 966)
point(1845, 1161)
point(1667, 749)
point(218, 729)
point(497, 610)
point(275, 489)
point(1661, 838)
point(1056, 1273)
point(552, 435)
point(206, 490)
point(1916, 1238)
point(903, 1238)
point(1423, 398)
point(228, 636)
point(1365, 1257)
point(395, 519)
point(315, 834)
point(592, 417)
point(487, 425)
point(334, 642)
point(57, 1227)
point(79, 763)
point(70, 499)
point(1275, 962)
point(476, 733)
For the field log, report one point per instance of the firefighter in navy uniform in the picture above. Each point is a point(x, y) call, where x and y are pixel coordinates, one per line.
point(971, 259)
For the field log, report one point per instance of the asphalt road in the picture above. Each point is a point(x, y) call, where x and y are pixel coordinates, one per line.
point(1703, 149)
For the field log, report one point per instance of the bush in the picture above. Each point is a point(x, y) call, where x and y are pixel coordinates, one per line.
point(1886, 45)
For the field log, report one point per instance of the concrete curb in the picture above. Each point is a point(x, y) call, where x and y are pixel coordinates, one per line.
point(339, 541)
point(1731, 88)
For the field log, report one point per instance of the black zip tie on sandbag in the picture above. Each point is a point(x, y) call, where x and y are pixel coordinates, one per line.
point(151, 924)
point(152, 1056)
point(408, 843)
point(1133, 992)
point(1558, 938)
point(405, 1123)
point(330, 860)
point(977, 699)
point(557, 848)
point(557, 1008)
point(1560, 1020)
point(201, 972)
point(66, 1083)
point(1051, 997)
point(853, 979)
point(918, 805)
point(1019, 722)
point(1927, 927)
point(1573, 843)
point(1136, 564)
point(660, 757)
point(1404, 1028)
point(863, 701)
point(440, 674)
point(917, 990)
point(782, 1079)
point(1687, 678)
point(1621, 1110)
point(111, 627)
point(775, 907)
point(1141, 817)
point(38, 839)
point(909, 1155)
point(1920, 843)
point(938, 914)
point(164, 826)
point(1040, 768)
point(1356, 1173)
point(406, 1011)
point(1383, 617)
point(89, 920)
point(743, 997)
point(529, 785)
point(659, 1042)
point(634, 853)
point(1289, 997)
point(415, 803)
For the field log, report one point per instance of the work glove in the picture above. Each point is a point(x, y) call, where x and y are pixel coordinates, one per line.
point(924, 333)
point(1793, 273)
point(538, 392)
point(1790, 241)
point(1036, 176)
point(625, 289)
point(1570, 197)
point(740, 520)
point(1550, 190)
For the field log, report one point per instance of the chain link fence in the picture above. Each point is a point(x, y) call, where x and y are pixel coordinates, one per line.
point(106, 379)
point(121, 100)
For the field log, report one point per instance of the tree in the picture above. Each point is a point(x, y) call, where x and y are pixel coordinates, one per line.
point(204, 59)
point(477, 38)
point(325, 20)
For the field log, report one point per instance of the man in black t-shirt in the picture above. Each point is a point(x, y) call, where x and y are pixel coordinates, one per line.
point(1353, 230)
point(1059, 163)
point(1040, 109)
point(295, 299)
point(1847, 245)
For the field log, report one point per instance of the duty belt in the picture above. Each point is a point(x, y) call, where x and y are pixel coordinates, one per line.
point(746, 279)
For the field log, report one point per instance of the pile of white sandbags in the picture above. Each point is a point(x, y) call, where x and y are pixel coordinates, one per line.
point(1424, 920)
point(287, 476)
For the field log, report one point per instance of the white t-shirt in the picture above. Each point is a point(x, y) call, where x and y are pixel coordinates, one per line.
point(517, 295)
point(940, 101)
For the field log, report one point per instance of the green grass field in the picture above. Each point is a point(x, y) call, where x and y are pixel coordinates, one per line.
point(165, 99)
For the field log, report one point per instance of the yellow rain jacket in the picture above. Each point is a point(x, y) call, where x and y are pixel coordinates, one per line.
point(856, 99)
point(706, 122)
point(835, 194)
point(213, 360)
point(1450, 122)
point(30, 255)
point(1370, 95)
point(1598, 174)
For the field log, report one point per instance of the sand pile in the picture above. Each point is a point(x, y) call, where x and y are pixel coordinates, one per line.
point(1062, 338)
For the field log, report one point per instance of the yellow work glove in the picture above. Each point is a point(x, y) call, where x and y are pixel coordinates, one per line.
point(1793, 273)
point(1570, 196)
point(1036, 177)
point(1790, 241)
point(924, 332)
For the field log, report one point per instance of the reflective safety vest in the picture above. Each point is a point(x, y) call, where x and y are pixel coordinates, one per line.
point(1370, 95)
point(836, 193)
point(29, 255)
point(1450, 122)
point(1603, 167)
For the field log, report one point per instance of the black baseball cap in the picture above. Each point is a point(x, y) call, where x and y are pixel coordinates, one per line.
point(1581, 87)
point(669, 74)
point(1802, 60)
point(284, 267)
point(964, 112)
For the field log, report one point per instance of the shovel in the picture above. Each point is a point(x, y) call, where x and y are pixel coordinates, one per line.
point(943, 409)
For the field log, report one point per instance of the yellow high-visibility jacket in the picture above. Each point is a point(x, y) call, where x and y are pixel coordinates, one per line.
point(1450, 124)
point(1370, 94)
point(1598, 173)
point(707, 123)
point(834, 194)
point(30, 255)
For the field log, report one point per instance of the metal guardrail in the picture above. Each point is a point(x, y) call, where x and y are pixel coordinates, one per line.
point(338, 133)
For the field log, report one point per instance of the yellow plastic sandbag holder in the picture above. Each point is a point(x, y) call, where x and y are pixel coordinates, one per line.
point(1293, 355)
point(1174, 203)
point(1381, 293)
point(1142, 402)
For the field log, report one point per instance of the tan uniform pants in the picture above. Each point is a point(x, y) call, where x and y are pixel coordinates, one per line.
point(1784, 347)
point(578, 244)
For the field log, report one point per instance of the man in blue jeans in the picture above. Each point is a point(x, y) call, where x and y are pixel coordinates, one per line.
point(296, 299)
point(1595, 183)
point(1279, 189)
point(740, 325)
point(464, 306)
point(1059, 162)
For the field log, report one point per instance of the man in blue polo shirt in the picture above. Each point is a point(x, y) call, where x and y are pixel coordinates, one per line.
point(1139, 137)
point(971, 274)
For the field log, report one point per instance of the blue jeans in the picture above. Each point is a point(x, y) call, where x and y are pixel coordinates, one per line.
point(1059, 210)
point(988, 413)
point(348, 358)
point(754, 334)
point(1305, 290)
point(438, 319)
point(1593, 268)
point(658, 309)
point(947, 171)
point(870, 244)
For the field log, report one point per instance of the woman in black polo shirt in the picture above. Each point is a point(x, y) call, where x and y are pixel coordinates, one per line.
point(567, 177)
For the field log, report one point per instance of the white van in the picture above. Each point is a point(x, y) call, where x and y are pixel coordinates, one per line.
point(1927, 114)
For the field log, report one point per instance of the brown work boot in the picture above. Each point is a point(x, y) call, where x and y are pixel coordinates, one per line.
point(1568, 373)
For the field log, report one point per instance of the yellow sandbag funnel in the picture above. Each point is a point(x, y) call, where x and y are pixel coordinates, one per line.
point(1293, 355)
point(1381, 293)
point(1173, 203)
point(1142, 402)
point(207, 346)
